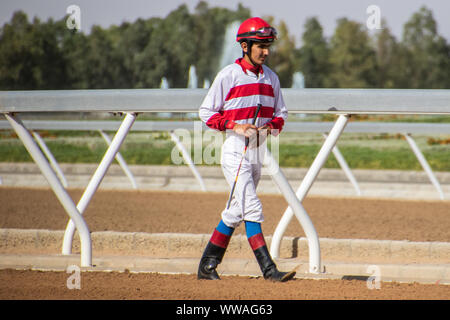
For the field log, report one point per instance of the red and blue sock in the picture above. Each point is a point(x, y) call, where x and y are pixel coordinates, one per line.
point(259, 247)
point(254, 235)
point(222, 235)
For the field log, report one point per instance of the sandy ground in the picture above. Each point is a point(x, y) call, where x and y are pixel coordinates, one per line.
point(97, 285)
point(191, 212)
point(196, 212)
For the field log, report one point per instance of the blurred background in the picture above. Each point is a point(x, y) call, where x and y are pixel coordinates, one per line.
point(179, 44)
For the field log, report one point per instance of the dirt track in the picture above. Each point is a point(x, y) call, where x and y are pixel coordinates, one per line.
point(196, 212)
point(199, 213)
point(44, 285)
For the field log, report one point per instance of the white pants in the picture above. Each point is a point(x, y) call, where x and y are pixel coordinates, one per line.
point(245, 204)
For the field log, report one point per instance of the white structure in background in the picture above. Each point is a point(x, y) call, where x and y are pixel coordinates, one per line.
point(192, 84)
point(192, 80)
point(298, 82)
point(231, 49)
point(206, 84)
point(164, 85)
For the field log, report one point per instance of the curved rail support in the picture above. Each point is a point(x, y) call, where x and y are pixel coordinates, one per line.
point(60, 192)
point(425, 165)
point(308, 181)
point(313, 239)
point(341, 160)
point(50, 158)
point(121, 161)
point(97, 178)
point(187, 158)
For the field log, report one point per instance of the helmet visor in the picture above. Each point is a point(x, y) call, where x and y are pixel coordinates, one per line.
point(263, 32)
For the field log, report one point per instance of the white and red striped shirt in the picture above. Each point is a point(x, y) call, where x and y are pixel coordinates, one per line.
point(235, 93)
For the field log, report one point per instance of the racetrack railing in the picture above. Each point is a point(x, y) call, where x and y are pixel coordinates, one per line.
point(342, 102)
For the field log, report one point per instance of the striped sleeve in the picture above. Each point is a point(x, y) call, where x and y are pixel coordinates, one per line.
point(211, 109)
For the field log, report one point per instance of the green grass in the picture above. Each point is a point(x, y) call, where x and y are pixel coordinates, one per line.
point(366, 158)
point(361, 151)
point(63, 152)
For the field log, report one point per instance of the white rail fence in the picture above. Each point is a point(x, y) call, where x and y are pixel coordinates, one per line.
point(342, 102)
point(406, 129)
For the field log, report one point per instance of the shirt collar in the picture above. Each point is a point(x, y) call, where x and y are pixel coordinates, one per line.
point(247, 66)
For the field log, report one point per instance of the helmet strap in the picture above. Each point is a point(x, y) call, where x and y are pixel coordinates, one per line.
point(249, 51)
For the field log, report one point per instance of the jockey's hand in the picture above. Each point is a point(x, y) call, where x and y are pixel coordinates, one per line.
point(246, 130)
point(265, 129)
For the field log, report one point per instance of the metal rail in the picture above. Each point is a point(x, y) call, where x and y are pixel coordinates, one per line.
point(290, 126)
point(406, 129)
point(331, 101)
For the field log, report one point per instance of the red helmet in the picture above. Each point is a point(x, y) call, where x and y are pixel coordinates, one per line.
point(256, 29)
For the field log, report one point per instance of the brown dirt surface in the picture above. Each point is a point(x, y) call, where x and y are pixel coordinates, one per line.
point(199, 213)
point(114, 285)
point(194, 212)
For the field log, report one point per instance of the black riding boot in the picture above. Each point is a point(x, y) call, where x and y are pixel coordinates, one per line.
point(212, 257)
point(268, 267)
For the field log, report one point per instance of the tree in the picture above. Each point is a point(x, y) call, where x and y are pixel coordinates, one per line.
point(150, 64)
point(282, 58)
point(313, 56)
point(74, 49)
point(99, 61)
point(352, 58)
point(388, 58)
point(30, 55)
point(210, 26)
point(427, 54)
point(179, 44)
point(129, 41)
point(15, 54)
